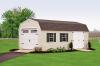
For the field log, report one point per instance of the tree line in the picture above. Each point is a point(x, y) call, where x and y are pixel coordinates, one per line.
point(11, 21)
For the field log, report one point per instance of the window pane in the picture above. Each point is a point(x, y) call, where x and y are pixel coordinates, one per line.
point(51, 34)
point(51, 37)
point(25, 31)
point(63, 37)
point(33, 31)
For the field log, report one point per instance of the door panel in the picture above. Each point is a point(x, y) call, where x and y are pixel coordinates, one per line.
point(78, 40)
point(28, 40)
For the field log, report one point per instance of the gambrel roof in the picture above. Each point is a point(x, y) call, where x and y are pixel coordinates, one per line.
point(55, 25)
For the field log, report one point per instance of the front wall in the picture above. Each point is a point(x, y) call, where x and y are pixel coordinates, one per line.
point(29, 24)
point(46, 45)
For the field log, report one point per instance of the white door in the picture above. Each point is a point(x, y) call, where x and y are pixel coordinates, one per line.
point(78, 40)
point(29, 38)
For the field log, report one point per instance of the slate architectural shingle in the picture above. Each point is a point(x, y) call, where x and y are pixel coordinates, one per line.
point(55, 25)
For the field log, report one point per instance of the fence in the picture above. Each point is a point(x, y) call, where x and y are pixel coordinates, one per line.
point(93, 38)
point(8, 38)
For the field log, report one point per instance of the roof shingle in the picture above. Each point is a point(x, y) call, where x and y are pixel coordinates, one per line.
point(54, 25)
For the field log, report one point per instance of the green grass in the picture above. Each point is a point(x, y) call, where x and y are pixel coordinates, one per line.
point(7, 44)
point(52, 59)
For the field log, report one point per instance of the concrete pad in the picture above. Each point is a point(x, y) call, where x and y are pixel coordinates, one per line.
point(23, 50)
point(84, 50)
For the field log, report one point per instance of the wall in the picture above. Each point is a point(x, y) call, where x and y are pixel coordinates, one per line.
point(46, 45)
point(86, 36)
point(29, 24)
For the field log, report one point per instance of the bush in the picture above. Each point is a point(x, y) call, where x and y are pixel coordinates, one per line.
point(63, 49)
point(89, 46)
point(71, 46)
point(60, 49)
point(52, 50)
point(38, 49)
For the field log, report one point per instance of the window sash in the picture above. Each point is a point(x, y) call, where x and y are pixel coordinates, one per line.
point(33, 31)
point(51, 37)
point(63, 37)
point(25, 31)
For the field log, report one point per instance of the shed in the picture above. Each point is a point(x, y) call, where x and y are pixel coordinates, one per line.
point(46, 34)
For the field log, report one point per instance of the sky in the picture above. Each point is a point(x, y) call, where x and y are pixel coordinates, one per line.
point(83, 11)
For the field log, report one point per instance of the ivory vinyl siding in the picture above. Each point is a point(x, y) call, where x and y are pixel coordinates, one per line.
point(46, 45)
point(28, 24)
point(86, 34)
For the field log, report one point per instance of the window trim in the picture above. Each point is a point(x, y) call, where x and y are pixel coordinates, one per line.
point(25, 31)
point(63, 37)
point(51, 37)
point(33, 31)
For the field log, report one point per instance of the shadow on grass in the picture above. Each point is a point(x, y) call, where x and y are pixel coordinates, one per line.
point(13, 50)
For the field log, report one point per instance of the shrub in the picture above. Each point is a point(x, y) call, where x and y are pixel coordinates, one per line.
point(71, 46)
point(52, 50)
point(63, 49)
point(38, 49)
point(59, 49)
point(89, 46)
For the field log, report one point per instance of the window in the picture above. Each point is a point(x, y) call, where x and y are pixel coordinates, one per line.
point(33, 31)
point(25, 31)
point(51, 37)
point(63, 37)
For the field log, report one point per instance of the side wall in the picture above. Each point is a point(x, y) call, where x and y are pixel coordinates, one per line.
point(86, 36)
point(46, 45)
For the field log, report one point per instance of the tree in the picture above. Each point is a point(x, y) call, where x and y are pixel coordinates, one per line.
point(0, 30)
point(12, 19)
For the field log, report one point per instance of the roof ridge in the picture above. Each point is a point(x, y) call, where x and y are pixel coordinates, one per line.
point(61, 25)
point(57, 21)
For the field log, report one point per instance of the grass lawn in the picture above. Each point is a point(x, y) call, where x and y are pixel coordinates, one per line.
point(77, 58)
